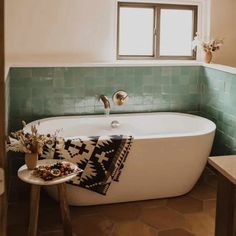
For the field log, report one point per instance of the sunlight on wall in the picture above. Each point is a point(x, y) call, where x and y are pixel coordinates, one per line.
point(223, 18)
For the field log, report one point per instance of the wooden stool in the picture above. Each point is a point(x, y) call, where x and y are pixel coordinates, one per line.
point(26, 175)
point(225, 222)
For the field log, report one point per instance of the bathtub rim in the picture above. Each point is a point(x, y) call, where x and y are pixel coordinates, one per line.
point(210, 129)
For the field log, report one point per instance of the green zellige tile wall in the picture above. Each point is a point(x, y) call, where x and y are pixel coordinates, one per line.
point(42, 92)
point(33, 93)
point(218, 103)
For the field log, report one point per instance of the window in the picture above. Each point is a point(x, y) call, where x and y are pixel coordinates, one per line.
point(136, 31)
point(156, 31)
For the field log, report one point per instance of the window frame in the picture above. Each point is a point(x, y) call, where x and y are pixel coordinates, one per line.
point(156, 31)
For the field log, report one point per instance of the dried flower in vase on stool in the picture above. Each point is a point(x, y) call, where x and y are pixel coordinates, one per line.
point(30, 143)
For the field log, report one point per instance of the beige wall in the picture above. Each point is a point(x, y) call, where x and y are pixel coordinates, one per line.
point(84, 30)
point(80, 30)
point(223, 19)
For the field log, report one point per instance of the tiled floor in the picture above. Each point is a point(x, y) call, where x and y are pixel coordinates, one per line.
point(189, 215)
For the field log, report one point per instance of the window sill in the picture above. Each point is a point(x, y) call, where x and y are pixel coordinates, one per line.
point(118, 63)
point(126, 63)
point(157, 63)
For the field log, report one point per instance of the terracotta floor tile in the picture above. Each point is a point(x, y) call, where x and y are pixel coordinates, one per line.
point(76, 211)
point(92, 225)
point(163, 218)
point(175, 232)
point(152, 203)
point(185, 204)
point(121, 211)
point(189, 215)
point(136, 228)
point(209, 206)
point(203, 192)
point(201, 224)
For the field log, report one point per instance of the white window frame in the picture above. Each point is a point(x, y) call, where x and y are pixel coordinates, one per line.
point(203, 18)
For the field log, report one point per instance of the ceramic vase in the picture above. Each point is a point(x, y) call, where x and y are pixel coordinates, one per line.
point(31, 160)
point(208, 57)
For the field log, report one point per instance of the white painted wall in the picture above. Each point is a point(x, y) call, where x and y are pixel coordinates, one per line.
point(76, 31)
point(46, 30)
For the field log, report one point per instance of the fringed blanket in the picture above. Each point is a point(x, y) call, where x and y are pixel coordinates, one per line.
point(101, 157)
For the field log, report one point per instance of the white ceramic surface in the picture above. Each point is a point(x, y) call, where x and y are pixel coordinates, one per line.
point(167, 156)
point(141, 126)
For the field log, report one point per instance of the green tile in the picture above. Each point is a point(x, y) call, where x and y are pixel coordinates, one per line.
point(69, 80)
point(166, 71)
point(45, 92)
point(68, 90)
point(178, 89)
point(109, 72)
point(219, 93)
point(166, 98)
point(100, 71)
point(17, 82)
point(38, 107)
point(58, 82)
point(20, 73)
point(185, 70)
point(43, 72)
point(59, 73)
point(166, 89)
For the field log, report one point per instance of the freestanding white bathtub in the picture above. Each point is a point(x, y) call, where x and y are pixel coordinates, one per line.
point(168, 154)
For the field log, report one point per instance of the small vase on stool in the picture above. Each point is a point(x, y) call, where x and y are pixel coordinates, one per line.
point(208, 57)
point(31, 160)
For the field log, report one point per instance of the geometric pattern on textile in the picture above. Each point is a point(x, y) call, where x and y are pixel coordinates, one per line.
point(101, 158)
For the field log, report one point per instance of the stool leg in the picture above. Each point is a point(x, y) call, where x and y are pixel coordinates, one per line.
point(225, 224)
point(34, 210)
point(65, 214)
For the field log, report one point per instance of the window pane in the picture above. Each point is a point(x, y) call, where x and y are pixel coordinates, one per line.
point(136, 31)
point(176, 32)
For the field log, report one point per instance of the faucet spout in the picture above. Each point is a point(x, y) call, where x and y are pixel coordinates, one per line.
point(105, 101)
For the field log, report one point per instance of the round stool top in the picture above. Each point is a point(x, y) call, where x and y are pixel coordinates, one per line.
point(27, 176)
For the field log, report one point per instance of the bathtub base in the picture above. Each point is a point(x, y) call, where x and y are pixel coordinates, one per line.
point(164, 168)
point(82, 198)
point(168, 153)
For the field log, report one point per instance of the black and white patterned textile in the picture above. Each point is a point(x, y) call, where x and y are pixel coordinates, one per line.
point(101, 157)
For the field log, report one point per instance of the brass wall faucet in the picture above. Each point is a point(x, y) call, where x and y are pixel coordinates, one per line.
point(104, 99)
point(120, 97)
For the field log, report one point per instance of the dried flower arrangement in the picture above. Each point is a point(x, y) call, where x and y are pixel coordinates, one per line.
point(207, 46)
point(22, 141)
point(212, 45)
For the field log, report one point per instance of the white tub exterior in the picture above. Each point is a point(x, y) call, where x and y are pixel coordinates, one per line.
point(167, 156)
